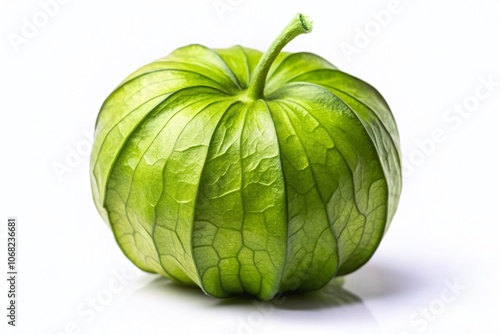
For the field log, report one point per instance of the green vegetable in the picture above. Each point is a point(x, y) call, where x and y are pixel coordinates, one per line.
point(246, 173)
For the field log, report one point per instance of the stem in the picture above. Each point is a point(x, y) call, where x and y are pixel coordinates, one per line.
point(299, 25)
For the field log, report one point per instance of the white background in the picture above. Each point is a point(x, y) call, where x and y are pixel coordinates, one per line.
point(427, 61)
